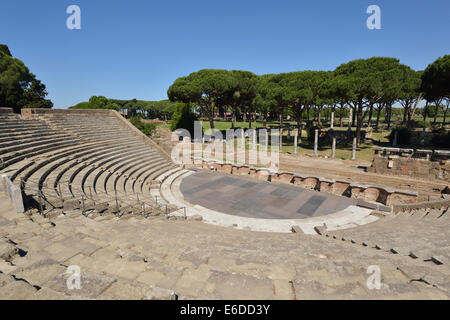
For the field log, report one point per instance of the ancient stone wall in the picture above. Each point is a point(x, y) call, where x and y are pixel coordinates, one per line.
point(6, 110)
point(423, 164)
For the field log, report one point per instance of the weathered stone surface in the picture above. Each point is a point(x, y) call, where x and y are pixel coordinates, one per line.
point(48, 294)
point(196, 217)
point(321, 230)
point(7, 249)
point(157, 293)
point(5, 279)
point(124, 290)
point(91, 284)
point(71, 204)
point(368, 205)
point(296, 229)
point(40, 272)
point(16, 290)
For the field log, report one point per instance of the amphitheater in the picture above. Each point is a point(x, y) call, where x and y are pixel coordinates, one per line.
point(85, 188)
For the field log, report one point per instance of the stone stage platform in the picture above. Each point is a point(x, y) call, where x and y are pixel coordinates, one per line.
point(247, 197)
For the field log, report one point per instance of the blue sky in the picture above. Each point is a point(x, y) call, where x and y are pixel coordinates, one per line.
point(137, 48)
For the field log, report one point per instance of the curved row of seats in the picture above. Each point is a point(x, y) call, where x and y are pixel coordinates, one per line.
point(419, 234)
point(64, 156)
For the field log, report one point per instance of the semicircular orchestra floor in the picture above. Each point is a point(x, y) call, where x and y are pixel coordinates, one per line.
point(248, 197)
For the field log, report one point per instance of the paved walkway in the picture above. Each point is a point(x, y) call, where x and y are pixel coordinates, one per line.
point(247, 197)
point(132, 258)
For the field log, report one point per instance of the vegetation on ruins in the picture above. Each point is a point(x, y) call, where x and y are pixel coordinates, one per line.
point(19, 88)
point(145, 127)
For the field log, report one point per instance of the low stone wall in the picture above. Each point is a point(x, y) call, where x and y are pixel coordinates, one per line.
point(422, 205)
point(14, 193)
point(385, 196)
point(417, 163)
point(6, 110)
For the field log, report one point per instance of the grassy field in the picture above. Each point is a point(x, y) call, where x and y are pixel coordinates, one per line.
point(343, 151)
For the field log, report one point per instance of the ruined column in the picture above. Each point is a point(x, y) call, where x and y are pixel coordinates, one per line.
point(354, 149)
point(333, 147)
point(267, 140)
point(316, 142)
point(350, 116)
point(281, 138)
point(332, 120)
point(295, 141)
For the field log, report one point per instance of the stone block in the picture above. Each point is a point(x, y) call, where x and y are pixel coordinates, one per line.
point(5, 279)
point(282, 177)
point(91, 284)
point(296, 229)
point(17, 290)
point(311, 183)
point(7, 250)
point(241, 170)
point(321, 230)
point(326, 186)
point(226, 167)
point(195, 217)
point(340, 188)
point(101, 207)
point(365, 204)
point(401, 198)
point(357, 192)
point(157, 293)
point(72, 204)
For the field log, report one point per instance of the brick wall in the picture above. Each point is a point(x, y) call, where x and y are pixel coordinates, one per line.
point(416, 168)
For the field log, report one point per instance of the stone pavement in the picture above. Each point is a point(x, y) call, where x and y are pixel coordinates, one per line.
point(135, 258)
point(248, 197)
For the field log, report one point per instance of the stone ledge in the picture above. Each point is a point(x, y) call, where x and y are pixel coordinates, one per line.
point(421, 205)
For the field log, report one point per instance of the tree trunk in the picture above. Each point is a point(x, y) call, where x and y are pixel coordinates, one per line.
point(380, 108)
point(359, 121)
point(369, 123)
point(341, 116)
point(405, 111)
point(353, 118)
point(388, 115)
point(319, 111)
point(436, 111)
point(445, 114)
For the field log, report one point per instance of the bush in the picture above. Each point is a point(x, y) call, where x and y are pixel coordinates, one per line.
point(310, 129)
point(441, 140)
point(438, 130)
point(183, 118)
point(403, 136)
point(419, 124)
point(146, 128)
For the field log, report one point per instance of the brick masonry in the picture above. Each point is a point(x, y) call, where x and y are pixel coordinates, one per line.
point(411, 167)
point(385, 196)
